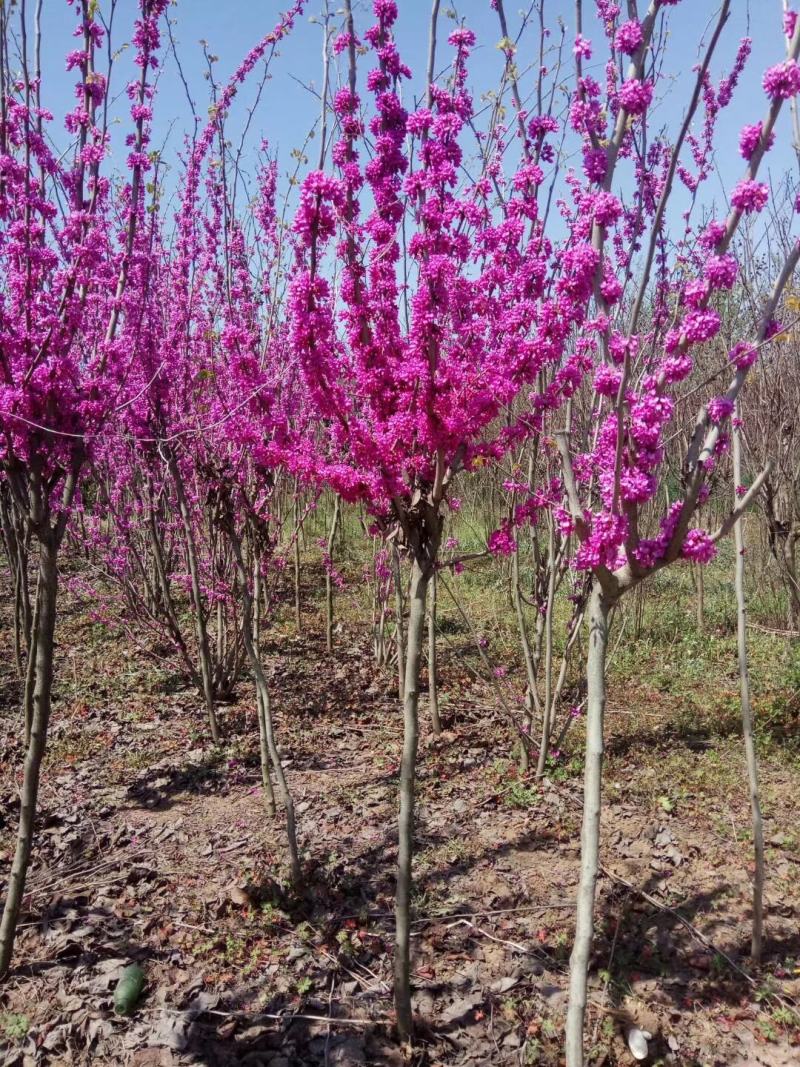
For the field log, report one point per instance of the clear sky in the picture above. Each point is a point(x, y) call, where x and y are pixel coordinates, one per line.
point(288, 109)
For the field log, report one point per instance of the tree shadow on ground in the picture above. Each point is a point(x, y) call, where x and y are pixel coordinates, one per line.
point(649, 954)
point(160, 787)
point(697, 734)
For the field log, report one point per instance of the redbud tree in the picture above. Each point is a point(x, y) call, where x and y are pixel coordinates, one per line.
point(652, 308)
point(73, 275)
point(419, 305)
point(427, 294)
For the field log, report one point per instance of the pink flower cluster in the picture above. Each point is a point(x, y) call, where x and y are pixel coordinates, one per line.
point(782, 82)
point(750, 196)
point(629, 37)
point(635, 96)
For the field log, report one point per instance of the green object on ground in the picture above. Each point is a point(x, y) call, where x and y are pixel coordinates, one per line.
point(129, 989)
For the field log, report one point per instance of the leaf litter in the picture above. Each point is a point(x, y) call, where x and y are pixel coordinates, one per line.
point(154, 849)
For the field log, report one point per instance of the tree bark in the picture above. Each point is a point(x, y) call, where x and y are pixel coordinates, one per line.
point(547, 710)
point(329, 578)
point(599, 607)
point(298, 617)
point(530, 667)
point(402, 955)
point(747, 719)
point(433, 681)
point(399, 640)
point(30, 672)
point(45, 630)
point(263, 747)
point(265, 722)
point(201, 629)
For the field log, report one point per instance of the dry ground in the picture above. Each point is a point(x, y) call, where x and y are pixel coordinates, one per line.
point(153, 847)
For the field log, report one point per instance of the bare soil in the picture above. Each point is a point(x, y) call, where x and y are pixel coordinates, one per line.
point(153, 847)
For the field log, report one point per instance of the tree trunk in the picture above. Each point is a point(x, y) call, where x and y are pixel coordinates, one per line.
point(23, 614)
point(433, 681)
point(701, 598)
point(530, 667)
point(747, 721)
point(16, 546)
point(547, 710)
point(599, 607)
point(329, 579)
point(298, 618)
point(167, 601)
point(265, 722)
point(197, 602)
point(30, 671)
point(263, 747)
point(402, 955)
point(45, 629)
point(280, 777)
point(399, 641)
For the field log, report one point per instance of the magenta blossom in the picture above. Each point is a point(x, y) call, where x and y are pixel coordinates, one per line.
point(750, 196)
point(782, 81)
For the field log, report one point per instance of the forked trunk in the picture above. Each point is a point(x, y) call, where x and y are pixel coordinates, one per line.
point(599, 607)
point(45, 629)
point(265, 722)
point(402, 956)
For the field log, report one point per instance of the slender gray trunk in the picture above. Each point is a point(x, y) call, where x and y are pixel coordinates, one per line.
point(402, 954)
point(17, 549)
point(433, 681)
point(220, 633)
point(263, 747)
point(530, 666)
point(398, 607)
point(329, 578)
point(201, 629)
point(265, 721)
point(30, 673)
point(45, 629)
point(547, 710)
point(298, 618)
point(23, 616)
point(747, 721)
point(167, 602)
point(17, 625)
point(280, 777)
point(599, 607)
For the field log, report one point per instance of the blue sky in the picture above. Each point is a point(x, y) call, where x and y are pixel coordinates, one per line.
point(287, 109)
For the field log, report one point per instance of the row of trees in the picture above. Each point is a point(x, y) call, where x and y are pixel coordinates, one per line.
point(460, 287)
